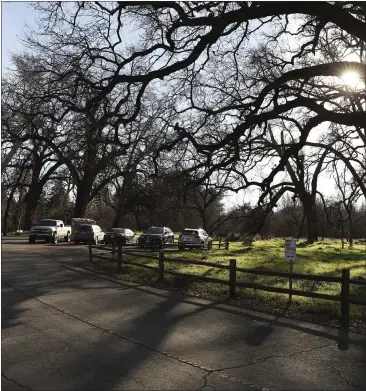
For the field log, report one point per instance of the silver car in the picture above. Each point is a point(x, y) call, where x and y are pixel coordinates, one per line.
point(194, 238)
point(88, 233)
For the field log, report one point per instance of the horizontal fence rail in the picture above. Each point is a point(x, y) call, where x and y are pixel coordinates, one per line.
point(140, 265)
point(294, 292)
point(357, 282)
point(345, 280)
point(197, 262)
point(297, 276)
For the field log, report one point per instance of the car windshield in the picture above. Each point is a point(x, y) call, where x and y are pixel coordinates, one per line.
point(190, 232)
point(155, 230)
point(48, 223)
point(84, 228)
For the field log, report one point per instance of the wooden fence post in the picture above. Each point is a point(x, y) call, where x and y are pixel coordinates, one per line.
point(345, 299)
point(227, 244)
point(290, 282)
point(119, 258)
point(232, 278)
point(161, 265)
point(90, 252)
point(220, 243)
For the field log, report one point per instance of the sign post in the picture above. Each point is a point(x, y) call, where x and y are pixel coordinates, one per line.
point(290, 255)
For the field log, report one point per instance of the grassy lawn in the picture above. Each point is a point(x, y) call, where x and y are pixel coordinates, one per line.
point(322, 258)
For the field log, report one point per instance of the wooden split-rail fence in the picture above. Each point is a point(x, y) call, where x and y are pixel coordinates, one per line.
point(344, 298)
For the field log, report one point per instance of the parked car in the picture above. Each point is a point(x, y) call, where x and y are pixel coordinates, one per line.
point(156, 236)
point(194, 238)
point(122, 236)
point(88, 233)
point(50, 230)
point(76, 222)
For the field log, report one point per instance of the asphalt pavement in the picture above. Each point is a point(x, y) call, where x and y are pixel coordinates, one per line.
point(64, 328)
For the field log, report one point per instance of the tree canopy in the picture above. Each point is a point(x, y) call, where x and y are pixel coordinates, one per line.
point(249, 91)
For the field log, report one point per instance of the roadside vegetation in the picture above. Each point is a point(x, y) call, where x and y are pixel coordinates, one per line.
point(321, 258)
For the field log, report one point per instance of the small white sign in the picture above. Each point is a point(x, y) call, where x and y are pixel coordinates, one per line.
point(290, 250)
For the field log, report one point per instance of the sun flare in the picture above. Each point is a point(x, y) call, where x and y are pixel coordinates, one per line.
point(351, 78)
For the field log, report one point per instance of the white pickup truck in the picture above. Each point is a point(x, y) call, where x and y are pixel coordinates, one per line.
point(51, 231)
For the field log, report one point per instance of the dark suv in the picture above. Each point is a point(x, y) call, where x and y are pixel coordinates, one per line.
point(156, 236)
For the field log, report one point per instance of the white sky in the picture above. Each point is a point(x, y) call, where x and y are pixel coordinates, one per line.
point(14, 17)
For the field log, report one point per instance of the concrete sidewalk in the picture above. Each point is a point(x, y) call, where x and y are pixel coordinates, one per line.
point(65, 328)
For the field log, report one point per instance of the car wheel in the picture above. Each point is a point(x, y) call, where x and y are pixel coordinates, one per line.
point(76, 242)
point(54, 239)
point(67, 237)
point(32, 240)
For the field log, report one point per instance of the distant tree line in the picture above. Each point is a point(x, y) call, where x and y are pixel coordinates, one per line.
point(171, 200)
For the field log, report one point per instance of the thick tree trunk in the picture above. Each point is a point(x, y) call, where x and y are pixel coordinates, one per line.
point(204, 219)
point(350, 228)
point(120, 212)
point(85, 186)
point(17, 217)
point(137, 218)
point(6, 212)
point(302, 225)
point(31, 201)
point(128, 177)
point(311, 228)
point(81, 202)
point(35, 190)
point(83, 193)
point(311, 219)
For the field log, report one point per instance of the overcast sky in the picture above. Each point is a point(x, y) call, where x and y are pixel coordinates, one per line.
point(14, 16)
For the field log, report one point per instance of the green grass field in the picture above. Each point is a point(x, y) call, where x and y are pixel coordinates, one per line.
point(323, 258)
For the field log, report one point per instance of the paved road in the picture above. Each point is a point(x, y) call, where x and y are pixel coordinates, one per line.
point(64, 328)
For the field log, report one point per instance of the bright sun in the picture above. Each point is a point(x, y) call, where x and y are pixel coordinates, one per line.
point(351, 78)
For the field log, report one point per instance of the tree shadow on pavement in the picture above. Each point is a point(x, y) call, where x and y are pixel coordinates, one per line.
point(104, 364)
point(317, 330)
point(342, 338)
point(260, 334)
